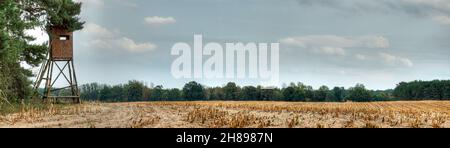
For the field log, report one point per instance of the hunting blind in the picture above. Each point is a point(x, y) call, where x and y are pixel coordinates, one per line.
point(59, 66)
point(61, 44)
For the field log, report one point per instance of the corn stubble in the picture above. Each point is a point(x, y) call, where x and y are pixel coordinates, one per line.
point(425, 114)
point(217, 114)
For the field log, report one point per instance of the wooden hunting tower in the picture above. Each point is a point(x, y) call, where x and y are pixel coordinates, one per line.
point(60, 60)
point(61, 44)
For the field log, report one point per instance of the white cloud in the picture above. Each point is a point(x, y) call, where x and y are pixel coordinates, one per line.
point(445, 20)
point(360, 57)
point(98, 31)
point(373, 41)
point(330, 50)
point(318, 41)
point(106, 39)
point(131, 45)
point(395, 60)
point(157, 20)
point(337, 41)
point(335, 45)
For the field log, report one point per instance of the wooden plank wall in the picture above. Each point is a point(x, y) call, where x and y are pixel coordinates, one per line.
point(61, 50)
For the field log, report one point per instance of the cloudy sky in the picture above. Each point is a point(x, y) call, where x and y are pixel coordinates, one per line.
point(322, 42)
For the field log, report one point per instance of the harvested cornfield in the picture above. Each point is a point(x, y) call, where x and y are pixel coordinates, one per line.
point(220, 114)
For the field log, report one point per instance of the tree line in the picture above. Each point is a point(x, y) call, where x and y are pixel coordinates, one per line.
point(418, 90)
point(193, 91)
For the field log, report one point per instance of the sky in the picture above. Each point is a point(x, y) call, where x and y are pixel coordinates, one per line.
point(322, 42)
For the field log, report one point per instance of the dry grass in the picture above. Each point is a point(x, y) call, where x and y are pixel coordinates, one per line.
point(424, 114)
point(216, 118)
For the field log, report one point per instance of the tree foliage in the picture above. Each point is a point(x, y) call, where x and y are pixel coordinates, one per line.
point(231, 91)
point(15, 49)
point(417, 90)
point(289, 93)
point(193, 91)
point(250, 93)
point(338, 94)
point(62, 13)
point(359, 93)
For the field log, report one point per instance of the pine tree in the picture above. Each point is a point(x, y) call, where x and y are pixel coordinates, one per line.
point(62, 13)
point(17, 16)
point(15, 49)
